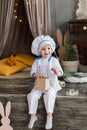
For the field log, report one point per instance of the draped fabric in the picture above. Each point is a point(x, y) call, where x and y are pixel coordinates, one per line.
point(6, 10)
point(20, 22)
point(19, 38)
point(38, 13)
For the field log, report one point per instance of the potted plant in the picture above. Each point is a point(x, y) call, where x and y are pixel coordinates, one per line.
point(70, 59)
point(68, 52)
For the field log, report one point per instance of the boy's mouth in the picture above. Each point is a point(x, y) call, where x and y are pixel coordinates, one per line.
point(46, 54)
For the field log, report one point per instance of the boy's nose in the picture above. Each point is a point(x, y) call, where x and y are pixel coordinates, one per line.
point(46, 50)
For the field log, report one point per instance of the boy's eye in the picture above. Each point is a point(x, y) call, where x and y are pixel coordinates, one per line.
point(43, 49)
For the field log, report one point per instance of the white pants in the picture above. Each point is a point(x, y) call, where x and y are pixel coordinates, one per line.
point(49, 100)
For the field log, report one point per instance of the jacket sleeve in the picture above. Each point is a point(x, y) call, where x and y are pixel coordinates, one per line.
point(34, 68)
point(57, 64)
point(52, 64)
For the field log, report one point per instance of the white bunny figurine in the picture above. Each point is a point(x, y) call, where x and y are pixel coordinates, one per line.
point(81, 12)
point(5, 120)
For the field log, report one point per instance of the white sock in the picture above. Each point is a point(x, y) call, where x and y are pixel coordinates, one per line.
point(49, 122)
point(32, 121)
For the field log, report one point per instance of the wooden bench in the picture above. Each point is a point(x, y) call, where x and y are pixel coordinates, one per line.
point(70, 112)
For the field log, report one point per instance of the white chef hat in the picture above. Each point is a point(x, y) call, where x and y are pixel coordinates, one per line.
point(40, 41)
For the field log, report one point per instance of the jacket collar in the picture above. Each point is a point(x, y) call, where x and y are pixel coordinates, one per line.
point(39, 57)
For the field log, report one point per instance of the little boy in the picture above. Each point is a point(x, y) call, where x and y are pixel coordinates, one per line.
point(48, 66)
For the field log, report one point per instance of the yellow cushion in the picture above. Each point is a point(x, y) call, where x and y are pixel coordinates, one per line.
point(25, 58)
point(6, 69)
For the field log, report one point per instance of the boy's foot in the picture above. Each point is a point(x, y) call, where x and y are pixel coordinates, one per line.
point(32, 121)
point(49, 122)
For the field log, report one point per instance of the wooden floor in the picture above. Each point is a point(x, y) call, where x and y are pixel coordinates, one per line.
point(70, 111)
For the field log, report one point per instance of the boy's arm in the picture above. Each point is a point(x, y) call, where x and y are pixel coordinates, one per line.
point(57, 69)
point(34, 70)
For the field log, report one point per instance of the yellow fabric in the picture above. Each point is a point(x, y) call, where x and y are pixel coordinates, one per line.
point(6, 69)
point(25, 58)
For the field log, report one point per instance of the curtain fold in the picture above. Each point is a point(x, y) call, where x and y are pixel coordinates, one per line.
point(17, 29)
point(38, 13)
point(19, 37)
point(6, 10)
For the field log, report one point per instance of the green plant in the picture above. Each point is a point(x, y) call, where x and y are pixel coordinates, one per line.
point(70, 52)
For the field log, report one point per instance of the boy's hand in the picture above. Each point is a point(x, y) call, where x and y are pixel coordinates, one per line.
point(38, 76)
point(55, 71)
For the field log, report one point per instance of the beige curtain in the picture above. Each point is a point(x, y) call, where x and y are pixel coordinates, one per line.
point(6, 10)
point(38, 13)
point(19, 37)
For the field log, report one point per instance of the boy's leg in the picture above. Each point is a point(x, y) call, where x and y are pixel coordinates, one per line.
point(33, 98)
point(49, 100)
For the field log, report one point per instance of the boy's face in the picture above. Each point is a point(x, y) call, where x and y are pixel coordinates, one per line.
point(46, 51)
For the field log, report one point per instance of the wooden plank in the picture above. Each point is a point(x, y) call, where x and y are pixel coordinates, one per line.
point(70, 112)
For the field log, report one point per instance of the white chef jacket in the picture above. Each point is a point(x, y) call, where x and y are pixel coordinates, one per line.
point(44, 66)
